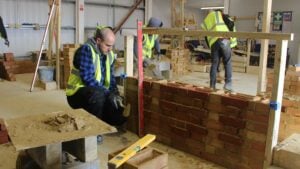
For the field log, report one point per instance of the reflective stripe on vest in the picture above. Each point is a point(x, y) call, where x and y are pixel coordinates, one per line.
point(75, 82)
point(214, 22)
point(148, 44)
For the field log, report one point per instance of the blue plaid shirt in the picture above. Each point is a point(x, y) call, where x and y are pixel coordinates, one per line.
point(87, 69)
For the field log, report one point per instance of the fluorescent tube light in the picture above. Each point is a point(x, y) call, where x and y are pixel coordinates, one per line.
point(212, 7)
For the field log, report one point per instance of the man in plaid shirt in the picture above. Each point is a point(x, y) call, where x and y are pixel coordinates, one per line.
point(92, 85)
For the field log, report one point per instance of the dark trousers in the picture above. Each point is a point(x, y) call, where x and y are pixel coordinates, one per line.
point(94, 101)
point(221, 48)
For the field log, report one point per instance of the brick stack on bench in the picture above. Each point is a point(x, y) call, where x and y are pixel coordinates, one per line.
point(7, 67)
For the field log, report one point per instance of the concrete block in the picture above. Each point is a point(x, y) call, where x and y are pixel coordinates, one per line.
point(84, 149)
point(287, 153)
point(51, 85)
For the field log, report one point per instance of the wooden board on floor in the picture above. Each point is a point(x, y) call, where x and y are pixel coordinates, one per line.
point(32, 131)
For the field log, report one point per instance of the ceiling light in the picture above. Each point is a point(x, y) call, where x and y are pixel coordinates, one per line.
point(212, 7)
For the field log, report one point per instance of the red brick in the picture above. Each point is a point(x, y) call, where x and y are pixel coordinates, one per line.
point(166, 96)
point(8, 57)
point(234, 122)
point(203, 95)
point(3, 137)
point(179, 141)
point(168, 105)
point(168, 89)
point(198, 103)
point(195, 147)
point(197, 132)
point(232, 148)
point(151, 118)
point(236, 102)
point(258, 146)
point(184, 100)
point(215, 107)
point(231, 111)
point(257, 127)
point(230, 130)
point(201, 113)
point(257, 118)
point(230, 139)
point(213, 124)
point(262, 108)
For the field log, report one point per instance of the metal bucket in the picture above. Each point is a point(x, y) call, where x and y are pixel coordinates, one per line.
point(46, 73)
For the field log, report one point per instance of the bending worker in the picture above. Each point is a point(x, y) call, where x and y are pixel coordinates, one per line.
point(149, 42)
point(92, 85)
point(220, 47)
point(3, 33)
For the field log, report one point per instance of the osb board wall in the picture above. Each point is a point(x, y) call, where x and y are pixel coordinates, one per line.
point(226, 129)
point(290, 116)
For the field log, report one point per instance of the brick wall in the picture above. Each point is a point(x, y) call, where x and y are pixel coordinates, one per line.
point(290, 115)
point(226, 129)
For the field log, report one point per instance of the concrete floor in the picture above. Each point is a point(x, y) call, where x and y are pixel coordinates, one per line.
point(16, 101)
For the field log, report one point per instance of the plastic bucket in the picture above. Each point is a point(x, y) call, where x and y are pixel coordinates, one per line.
point(46, 73)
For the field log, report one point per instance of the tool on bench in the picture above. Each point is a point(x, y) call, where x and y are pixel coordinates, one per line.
point(129, 152)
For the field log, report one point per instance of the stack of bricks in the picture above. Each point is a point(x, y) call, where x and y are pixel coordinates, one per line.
point(68, 55)
point(179, 61)
point(229, 130)
point(3, 133)
point(7, 67)
point(290, 114)
point(291, 81)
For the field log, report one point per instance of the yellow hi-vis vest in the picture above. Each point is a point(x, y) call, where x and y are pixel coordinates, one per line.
point(215, 22)
point(148, 44)
point(75, 82)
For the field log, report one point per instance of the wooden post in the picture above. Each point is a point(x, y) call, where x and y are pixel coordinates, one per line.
point(148, 10)
point(80, 21)
point(58, 33)
point(173, 14)
point(129, 55)
point(50, 43)
point(226, 6)
point(248, 54)
point(277, 94)
point(261, 86)
point(182, 24)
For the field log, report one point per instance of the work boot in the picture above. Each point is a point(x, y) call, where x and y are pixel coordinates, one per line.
point(228, 87)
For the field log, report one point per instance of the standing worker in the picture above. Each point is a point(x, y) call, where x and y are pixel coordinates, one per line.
point(149, 42)
point(92, 85)
point(220, 47)
point(3, 33)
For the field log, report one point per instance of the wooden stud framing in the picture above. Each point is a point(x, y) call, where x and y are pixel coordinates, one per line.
point(262, 76)
point(277, 94)
point(58, 33)
point(201, 33)
point(80, 21)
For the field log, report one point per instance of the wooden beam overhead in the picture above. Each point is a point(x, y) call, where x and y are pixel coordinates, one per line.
point(201, 33)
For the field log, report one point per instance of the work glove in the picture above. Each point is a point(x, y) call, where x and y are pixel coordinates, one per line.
point(6, 42)
point(116, 100)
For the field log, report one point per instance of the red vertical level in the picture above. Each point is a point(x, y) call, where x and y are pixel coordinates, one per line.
point(140, 77)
